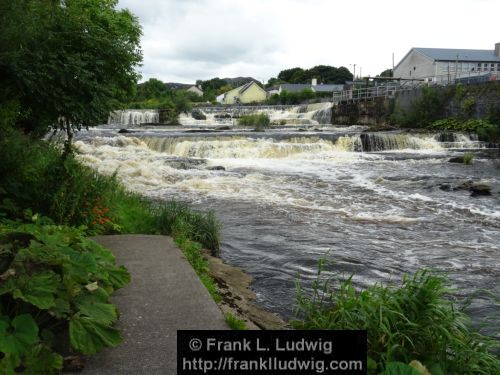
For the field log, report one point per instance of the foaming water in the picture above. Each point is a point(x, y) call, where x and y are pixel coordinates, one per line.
point(286, 201)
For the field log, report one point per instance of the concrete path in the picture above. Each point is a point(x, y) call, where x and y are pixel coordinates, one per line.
point(164, 295)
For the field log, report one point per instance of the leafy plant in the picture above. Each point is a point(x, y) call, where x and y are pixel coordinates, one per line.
point(54, 283)
point(416, 321)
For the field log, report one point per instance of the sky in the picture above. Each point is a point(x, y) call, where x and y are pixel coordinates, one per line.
point(187, 40)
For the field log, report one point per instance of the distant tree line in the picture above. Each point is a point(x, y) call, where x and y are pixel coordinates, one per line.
point(323, 73)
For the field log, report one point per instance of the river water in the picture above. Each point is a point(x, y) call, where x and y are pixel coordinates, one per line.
point(288, 198)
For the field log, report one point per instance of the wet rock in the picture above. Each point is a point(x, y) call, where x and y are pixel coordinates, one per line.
point(445, 187)
point(223, 116)
point(302, 130)
point(217, 168)
point(198, 115)
point(457, 159)
point(238, 298)
point(480, 188)
point(122, 131)
point(223, 128)
point(467, 185)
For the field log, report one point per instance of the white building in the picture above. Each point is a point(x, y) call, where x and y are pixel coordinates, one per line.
point(440, 64)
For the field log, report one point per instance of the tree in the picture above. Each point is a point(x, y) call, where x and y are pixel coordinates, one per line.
point(66, 63)
point(386, 73)
point(291, 75)
point(323, 73)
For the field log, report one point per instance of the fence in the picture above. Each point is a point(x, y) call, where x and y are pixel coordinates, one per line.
point(390, 89)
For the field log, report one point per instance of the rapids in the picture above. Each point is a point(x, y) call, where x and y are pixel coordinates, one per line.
point(373, 203)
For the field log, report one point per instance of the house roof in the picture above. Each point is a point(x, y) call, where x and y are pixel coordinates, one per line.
point(446, 54)
point(327, 88)
point(297, 87)
point(246, 86)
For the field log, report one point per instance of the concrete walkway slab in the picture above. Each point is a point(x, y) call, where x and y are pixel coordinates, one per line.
point(163, 296)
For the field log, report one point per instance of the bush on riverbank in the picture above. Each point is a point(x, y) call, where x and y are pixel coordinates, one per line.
point(416, 321)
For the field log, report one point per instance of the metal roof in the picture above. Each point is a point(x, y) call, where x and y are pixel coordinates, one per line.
point(327, 88)
point(473, 55)
point(295, 87)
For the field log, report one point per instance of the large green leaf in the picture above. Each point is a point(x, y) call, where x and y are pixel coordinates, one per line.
point(118, 277)
point(38, 289)
point(9, 363)
point(41, 360)
point(19, 335)
point(104, 313)
point(80, 267)
point(88, 336)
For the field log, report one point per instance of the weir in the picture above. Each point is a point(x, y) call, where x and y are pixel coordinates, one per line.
point(305, 114)
point(269, 146)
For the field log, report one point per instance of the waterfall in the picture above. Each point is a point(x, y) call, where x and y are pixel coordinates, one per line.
point(306, 114)
point(239, 147)
point(459, 140)
point(134, 117)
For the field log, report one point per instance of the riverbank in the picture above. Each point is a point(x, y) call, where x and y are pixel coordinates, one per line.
point(238, 299)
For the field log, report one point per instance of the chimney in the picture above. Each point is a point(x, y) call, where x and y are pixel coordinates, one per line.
point(497, 49)
point(314, 82)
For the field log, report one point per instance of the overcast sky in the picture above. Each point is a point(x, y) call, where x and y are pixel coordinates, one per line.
point(186, 40)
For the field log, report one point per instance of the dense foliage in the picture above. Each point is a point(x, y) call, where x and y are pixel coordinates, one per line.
point(54, 284)
point(323, 73)
point(416, 321)
point(65, 64)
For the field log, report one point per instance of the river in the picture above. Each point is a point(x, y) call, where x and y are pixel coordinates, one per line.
point(287, 198)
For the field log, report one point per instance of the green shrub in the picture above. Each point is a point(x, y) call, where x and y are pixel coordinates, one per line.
point(198, 226)
point(416, 321)
point(468, 158)
point(55, 284)
point(259, 119)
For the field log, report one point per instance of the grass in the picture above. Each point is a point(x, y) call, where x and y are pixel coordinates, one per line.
point(415, 321)
point(260, 121)
point(234, 323)
point(468, 158)
point(193, 252)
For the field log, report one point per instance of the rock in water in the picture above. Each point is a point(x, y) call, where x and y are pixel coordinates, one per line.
point(458, 159)
point(216, 168)
point(480, 188)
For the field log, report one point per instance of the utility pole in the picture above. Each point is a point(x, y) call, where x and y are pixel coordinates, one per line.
point(354, 76)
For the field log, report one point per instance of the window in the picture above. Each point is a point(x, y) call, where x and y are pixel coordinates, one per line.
point(478, 67)
point(492, 67)
point(498, 67)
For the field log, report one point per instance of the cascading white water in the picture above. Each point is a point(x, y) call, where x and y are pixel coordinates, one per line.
point(134, 117)
point(306, 114)
point(293, 147)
